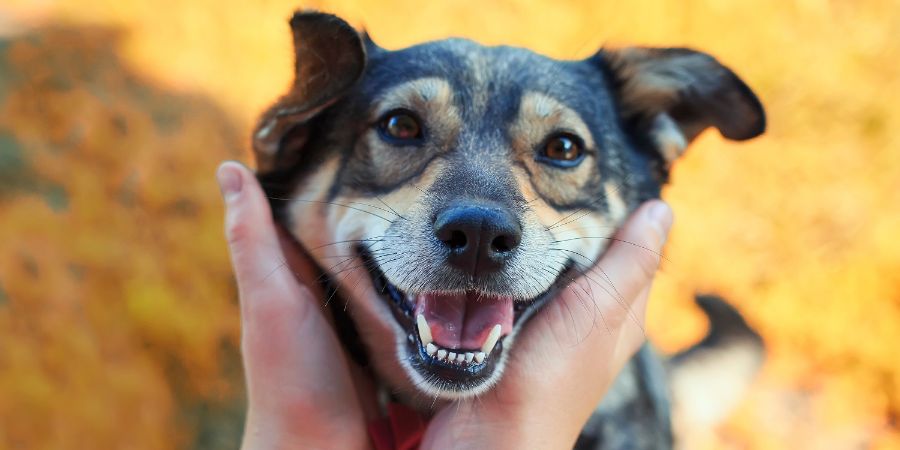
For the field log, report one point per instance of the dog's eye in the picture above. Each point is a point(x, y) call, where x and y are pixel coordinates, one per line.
point(400, 125)
point(563, 149)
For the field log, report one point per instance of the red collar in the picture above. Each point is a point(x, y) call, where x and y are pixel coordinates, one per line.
point(402, 429)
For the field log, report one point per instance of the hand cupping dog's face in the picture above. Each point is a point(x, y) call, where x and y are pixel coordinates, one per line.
point(450, 190)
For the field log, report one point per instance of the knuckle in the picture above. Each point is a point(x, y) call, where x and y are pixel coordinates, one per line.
point(236, 232)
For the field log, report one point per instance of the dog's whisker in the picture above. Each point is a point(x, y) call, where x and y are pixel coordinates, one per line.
point(355, 285)
point(333, 293)
point(587, 268)
point(588, 227)
point(596, 310)
point(350, 206)
point(586, 213)
point(595, 202)
point(382, 238)
point(283, 263)
point(389, 207)
point(331, 269)
point(373, 252)
point(615, 240)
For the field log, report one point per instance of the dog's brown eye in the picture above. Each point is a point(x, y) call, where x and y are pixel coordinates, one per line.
point(401, 125)
point(563, 148)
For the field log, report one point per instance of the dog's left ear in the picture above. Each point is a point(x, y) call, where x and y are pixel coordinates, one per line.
point(673, 94)
point(330, 57)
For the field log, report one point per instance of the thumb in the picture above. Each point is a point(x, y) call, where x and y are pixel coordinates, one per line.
point(298, 382)
point(588, 316)
point(635, 253)
point(252, 239)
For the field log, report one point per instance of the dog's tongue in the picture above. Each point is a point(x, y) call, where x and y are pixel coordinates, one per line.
point(464, 321)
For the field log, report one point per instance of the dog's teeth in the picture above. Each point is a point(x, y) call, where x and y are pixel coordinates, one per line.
point(479, 357)
point(424, 329)
point(460, 358)
point(451, 356)
point(441, 354)
point(430, 349)
point(469, 357)
point(492, 339)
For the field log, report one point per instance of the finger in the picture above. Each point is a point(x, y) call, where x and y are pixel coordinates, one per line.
point(276, 307)
point(273, 303)
point(270, 304)
point(607, 295)
point(292, 358)
point(632, 333)
point(615, 290)
point(593, 308)
point(249, 229)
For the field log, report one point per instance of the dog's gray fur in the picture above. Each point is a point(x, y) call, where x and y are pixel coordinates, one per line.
point(338, 182)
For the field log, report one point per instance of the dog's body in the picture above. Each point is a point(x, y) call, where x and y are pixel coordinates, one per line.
point(448, 191)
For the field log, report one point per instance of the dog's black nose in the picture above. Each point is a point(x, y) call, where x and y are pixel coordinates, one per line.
point(480, 238)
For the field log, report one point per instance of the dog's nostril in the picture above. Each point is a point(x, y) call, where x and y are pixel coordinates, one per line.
point(457, 240)
point(504, 243)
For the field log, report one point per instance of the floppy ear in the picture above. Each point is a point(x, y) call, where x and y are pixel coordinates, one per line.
point(673, 94)
point(329, 59)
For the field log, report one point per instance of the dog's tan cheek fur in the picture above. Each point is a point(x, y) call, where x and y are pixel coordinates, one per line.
point(321, 227)
point(579, 234)
point(317, 225)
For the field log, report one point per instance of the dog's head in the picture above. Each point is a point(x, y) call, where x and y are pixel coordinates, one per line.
point(449, 189)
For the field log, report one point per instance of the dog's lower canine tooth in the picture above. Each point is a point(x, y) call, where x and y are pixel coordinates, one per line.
point(424, 329)
point(491, 339)
point(479, 357)
point(441, 354)
point(430, 348)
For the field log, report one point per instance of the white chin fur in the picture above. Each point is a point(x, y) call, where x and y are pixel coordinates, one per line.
point(434, 390)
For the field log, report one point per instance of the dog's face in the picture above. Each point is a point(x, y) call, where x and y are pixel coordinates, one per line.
point(449, 190)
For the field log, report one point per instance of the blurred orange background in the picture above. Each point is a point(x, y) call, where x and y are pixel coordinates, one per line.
point(118, 315)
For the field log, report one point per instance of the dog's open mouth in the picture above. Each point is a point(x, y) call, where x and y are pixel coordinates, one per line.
point(457, 338)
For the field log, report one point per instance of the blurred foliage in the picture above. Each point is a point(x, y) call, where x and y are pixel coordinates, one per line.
point(118, 320)
point(118, 324)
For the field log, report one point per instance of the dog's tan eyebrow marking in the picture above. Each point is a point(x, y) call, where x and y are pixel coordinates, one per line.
point(421, 95)
point(616, 204)
point(540, 114)
point(541, 105)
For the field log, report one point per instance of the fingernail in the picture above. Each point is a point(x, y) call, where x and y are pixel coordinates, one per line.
point(660, 215)
point(229, 180)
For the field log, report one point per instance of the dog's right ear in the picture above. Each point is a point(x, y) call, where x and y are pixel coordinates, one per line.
point(330, 57)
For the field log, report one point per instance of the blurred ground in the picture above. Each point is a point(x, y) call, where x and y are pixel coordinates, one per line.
point(118, 320)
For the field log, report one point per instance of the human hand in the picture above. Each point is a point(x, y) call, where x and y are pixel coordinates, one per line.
point(300, 389)
point(299, 386)
point(568, 356)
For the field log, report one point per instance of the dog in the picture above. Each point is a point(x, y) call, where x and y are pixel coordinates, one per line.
point(431, 185)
